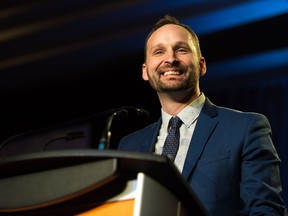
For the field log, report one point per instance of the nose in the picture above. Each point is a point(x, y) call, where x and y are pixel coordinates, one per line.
point(170, 57)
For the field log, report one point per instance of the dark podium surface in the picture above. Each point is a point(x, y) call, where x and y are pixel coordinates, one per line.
point(72, 181)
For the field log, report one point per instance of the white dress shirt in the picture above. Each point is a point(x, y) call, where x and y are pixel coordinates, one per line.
point(189, 116)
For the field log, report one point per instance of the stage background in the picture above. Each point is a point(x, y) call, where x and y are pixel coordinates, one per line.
point(63, 60)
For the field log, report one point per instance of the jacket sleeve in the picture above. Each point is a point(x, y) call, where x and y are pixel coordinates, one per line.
point(260, 185)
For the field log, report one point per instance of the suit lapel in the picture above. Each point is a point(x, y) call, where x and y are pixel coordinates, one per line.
point(204, 127)
point(151, 136)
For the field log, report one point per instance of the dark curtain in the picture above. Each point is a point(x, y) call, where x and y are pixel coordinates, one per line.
point(269, 98)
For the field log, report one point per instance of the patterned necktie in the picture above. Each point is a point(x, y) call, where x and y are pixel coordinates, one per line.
point(171, 144)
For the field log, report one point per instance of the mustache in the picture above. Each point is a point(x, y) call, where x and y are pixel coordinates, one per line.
point(175, 67)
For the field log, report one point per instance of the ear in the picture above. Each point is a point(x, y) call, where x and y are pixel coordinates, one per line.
point(203, 68)
point(144, 72)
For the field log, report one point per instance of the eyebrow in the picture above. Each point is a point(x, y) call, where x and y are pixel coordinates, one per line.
point(177, 43)
point(158, 45)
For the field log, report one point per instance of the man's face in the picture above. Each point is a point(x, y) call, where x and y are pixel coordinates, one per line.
point(172, 62)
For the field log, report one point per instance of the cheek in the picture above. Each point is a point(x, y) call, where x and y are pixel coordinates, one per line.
point(150, 67)
point(153, 64)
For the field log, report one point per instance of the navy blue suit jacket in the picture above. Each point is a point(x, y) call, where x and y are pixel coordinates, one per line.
point(231, 164)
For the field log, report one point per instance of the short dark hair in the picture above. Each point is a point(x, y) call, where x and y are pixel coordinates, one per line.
point(167, 19)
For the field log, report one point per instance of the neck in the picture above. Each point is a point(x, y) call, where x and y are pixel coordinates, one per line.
point(174, 102)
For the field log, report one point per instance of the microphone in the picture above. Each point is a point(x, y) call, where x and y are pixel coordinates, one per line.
point(104, 142)
point(142, 113)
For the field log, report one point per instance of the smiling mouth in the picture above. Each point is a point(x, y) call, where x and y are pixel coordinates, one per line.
point(167, 73)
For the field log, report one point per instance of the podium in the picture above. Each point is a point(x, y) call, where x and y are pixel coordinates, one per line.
point(92, 182)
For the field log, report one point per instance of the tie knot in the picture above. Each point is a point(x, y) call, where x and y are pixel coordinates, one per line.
point(175, 122)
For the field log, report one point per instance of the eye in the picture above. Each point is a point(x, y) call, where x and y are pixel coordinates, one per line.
point(158, 52)
point(182, 50)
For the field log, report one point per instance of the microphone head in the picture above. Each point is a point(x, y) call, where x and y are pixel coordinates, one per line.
point(121, 112)
point(143, 113)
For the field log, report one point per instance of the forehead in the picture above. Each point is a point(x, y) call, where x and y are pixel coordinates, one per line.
point(170, 32)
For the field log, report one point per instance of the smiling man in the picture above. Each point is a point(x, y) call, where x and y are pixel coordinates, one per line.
point(227, 156)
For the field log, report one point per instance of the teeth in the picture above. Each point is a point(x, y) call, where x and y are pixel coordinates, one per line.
point(171, 73)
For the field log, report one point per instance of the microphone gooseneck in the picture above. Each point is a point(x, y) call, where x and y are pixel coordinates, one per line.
point(104, 142)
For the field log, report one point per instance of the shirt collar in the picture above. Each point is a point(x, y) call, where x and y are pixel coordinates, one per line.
point(189, 114)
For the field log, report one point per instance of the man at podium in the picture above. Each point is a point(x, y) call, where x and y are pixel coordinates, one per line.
point(227, 156)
